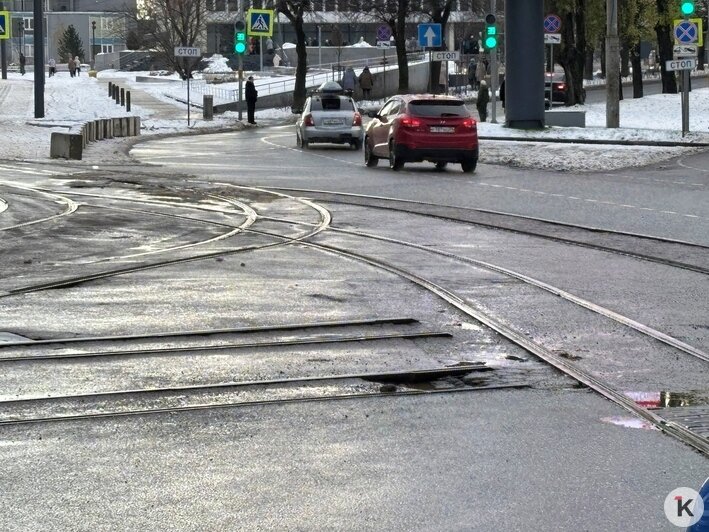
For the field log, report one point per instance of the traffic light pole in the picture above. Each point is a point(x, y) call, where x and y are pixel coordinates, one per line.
point(494, 75)
point(612, 65)
point(241, 81)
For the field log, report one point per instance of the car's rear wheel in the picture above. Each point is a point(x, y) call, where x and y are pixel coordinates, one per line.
point(369, 158)
point(469, 165)
point(356, 145)
point(395, 162)
point(441, 166)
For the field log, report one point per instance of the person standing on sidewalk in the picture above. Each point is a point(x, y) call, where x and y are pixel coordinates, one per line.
point(52, 67)
point(71, 66)
point(77, 65)
point(251, 97)
point(366, 82)
point(23, 61)
point(483, 99)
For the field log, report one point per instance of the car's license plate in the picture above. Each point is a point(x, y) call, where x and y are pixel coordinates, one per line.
point(333, 122)
point(440, 129)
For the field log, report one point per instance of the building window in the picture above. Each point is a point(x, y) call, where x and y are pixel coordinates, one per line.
point(29, 50)
point(29, 23)
point(106, 48)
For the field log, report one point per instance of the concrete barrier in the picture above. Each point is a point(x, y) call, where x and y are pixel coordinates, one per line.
point(565, 118)
point(71, 145)
point(66, 145)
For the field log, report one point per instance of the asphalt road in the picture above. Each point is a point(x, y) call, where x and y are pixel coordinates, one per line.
point(553, 456)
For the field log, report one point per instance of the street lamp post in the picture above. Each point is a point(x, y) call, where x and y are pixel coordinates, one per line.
point(93, 44)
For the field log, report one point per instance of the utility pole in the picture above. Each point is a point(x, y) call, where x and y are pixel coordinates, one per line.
point(612, 65)
point(3, 58)
point(38, 59)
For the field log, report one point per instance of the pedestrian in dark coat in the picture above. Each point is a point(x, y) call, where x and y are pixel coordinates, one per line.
point(502, 93)
point(251, 97)
point(71, 66)
point(483, 99)
point(366, 82)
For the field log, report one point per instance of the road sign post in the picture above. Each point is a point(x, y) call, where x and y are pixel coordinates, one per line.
point(187, 52)
point(683, 65)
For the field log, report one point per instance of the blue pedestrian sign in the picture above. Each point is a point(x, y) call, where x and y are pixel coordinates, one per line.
point(430, 35)
point(259, 22)
point(5, 25)
point(686, 32)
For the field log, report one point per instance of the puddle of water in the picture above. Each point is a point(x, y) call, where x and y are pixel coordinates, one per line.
point(629, 422)
point(666, 399)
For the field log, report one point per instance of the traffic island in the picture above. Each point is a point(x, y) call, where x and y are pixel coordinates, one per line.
point(70, 145)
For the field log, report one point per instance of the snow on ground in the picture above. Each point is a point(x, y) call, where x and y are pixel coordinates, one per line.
point(70, 101)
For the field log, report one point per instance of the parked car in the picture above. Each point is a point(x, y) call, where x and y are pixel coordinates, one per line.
point(555, 88)
point(423, 127)
point(329, 116)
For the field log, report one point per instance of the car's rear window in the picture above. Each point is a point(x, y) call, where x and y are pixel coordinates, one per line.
point(438, 108)
point(331, 104)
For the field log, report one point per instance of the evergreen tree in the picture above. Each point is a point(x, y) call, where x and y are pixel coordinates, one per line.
point(70, 45)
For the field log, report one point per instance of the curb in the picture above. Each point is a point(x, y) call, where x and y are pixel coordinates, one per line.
point(651, 143)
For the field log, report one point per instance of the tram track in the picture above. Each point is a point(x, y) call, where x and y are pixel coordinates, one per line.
point(572, 370)
point(646, 247)
point(70, 207)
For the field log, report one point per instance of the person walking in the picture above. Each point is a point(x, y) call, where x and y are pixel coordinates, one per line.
point(23, 61)
point(72, 67)
point(77, 65)
point(52, 67)
point(483, 99)
point(251, 97)
point(502, 92)
point(366, 82)
point(349, 81)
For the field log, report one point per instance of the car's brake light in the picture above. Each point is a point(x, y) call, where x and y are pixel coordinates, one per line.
point(308, 120)
point(357, 120)
point(468, 123)
point(562, 86)
point(408, 121)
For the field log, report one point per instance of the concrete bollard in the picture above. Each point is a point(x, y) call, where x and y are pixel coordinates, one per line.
point(66, 145)
point(116, 96)
point(108, 128)
point(208, 107)
point(99, 129)
point(123, 97)
point(128, 101)
point(110, 89)
point(117, 131)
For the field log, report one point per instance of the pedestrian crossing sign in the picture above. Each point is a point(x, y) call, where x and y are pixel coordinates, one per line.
point(5, 25)
point(260, 22)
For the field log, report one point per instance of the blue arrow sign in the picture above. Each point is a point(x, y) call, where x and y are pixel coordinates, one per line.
point(430, 35)
point(686, 32)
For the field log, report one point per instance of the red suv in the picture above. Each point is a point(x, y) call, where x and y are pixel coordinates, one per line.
point(422, 127)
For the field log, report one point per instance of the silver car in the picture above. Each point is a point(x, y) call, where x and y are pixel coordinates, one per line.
point(332, 118)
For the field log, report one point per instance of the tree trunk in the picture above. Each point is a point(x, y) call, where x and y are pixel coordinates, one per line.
point(588, 67)
point(572, 55)
point(664, 46)
point(299, 93)
point(399, 31)
point(636, 62)
point(625, 60)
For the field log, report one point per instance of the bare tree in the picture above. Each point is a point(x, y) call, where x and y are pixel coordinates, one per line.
point(294, 11)
point(169, 23)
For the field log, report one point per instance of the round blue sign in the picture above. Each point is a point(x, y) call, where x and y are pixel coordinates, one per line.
point(686, 32)
point(552, 24)
point(383, 33)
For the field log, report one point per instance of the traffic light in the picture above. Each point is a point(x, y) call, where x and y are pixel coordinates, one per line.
point(490, 38)
point(686, 7)
point(240, 37)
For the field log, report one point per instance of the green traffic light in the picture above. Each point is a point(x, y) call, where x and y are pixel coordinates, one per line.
point(490, 42)
point(687, 8)
point(240, 42)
